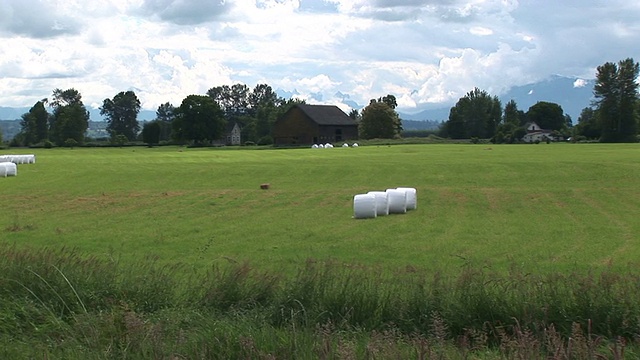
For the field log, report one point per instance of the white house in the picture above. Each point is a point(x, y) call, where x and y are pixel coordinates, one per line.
point(536, 134)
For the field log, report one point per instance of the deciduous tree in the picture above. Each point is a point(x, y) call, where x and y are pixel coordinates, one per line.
point(476, 115)
point(379, 120)
point(70, 118)
point(588, 124)
point(547, 115)
point(199, 119)
point(151, 133)
point(121, 113)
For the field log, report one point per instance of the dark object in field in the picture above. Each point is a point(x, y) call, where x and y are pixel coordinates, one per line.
point(264, 186)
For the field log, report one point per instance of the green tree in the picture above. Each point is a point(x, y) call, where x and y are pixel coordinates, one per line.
point(511, 113)
point(199, 119)
point(616, 97)
point(122, 114)
point(164, 116)
point(35, 124)
point(353, 114)
point(70, 118)
point(378, 120)
point(588, 124)
point(476, 115)
point(151, 132)
point(233, 100)
point(547, 115)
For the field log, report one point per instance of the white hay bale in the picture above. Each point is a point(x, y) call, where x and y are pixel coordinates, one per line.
point(19, 159)
point(412, 199)
point(321, 146)
point(382, 202)
point(3, 170)
point(328, 146)
point(314, 146)
point(10, 169)
point(397, 201)
point(354, 145)
point(364, 206)
point(345, 145)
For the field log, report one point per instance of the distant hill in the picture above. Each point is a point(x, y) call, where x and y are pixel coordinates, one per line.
point(9, 129)
point(570, 93)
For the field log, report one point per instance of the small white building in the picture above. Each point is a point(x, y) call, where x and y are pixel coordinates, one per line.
point(233, 134)
point(537, 134)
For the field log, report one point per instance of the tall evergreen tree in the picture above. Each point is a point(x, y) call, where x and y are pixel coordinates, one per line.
point(34, 124)
point(164, 117)
point(511, 114)
point(616, 96)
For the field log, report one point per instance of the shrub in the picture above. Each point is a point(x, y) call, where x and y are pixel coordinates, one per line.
point(265, 140)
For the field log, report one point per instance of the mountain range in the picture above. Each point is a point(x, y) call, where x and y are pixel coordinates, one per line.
point(572, 94)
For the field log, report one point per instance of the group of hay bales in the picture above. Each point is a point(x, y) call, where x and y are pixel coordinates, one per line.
point(329, 145)
point(9, 163)
point(380, 203)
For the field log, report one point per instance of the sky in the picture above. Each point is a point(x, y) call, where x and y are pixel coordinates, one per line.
point(427, 53)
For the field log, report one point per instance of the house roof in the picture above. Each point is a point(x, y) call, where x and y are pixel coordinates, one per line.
point(326, 114)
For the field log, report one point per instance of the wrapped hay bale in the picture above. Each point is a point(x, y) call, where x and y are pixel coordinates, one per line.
point(314, 146)
point(412, 199)
point(397, 201)
point(364, 206)
point(345, 145)
point(382, 202)
point(10, 169)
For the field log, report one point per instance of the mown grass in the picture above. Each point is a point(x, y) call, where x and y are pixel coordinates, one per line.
point(545, 207)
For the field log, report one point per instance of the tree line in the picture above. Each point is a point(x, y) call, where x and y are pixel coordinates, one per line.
point(202, 119)
point(613, 116)
point(198, 120)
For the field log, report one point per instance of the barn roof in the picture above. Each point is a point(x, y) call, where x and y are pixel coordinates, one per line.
point(326, 114)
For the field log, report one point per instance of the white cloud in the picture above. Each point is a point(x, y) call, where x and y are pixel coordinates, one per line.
point(425, 52)
point(579, 83)
point(480, 31)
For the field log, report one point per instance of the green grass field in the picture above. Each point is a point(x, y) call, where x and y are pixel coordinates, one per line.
point(546, 208)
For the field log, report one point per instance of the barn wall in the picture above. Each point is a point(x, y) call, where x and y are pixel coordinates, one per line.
point(337, 133)
point(295, 128)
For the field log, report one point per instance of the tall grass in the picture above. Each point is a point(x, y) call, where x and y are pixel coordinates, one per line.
point(61, 304)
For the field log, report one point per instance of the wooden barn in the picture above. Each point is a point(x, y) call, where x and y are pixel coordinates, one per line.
point(314, 124)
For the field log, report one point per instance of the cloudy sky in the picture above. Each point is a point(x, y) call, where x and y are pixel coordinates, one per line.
point(428, 53)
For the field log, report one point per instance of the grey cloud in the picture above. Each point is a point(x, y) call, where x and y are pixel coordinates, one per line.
point(186, 12)
point(35, 18)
